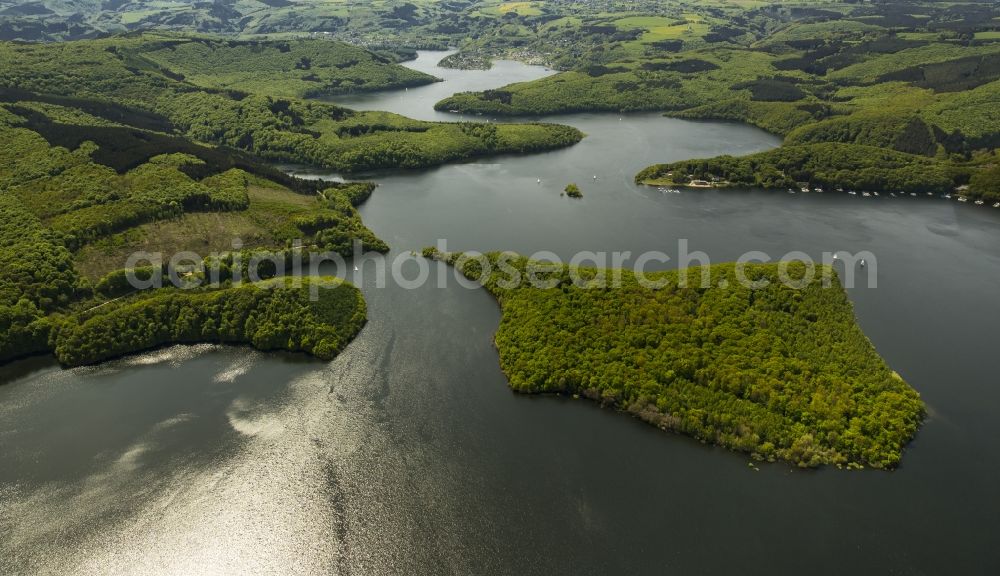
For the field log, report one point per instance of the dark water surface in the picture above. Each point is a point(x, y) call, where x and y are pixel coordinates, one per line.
point(409, 455)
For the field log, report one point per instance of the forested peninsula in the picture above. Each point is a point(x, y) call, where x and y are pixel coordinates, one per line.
point(779, 372)
point(826, 165)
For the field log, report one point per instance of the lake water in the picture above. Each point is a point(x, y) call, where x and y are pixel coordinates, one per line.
point(409, 454)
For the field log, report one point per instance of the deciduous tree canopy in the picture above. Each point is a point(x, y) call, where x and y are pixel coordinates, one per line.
point(778, 371)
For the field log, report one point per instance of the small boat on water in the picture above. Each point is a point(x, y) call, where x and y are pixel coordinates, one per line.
point(997, 205)
point(913, 193)
point(539, 181)
point(979, 202)
point(875, 193)
point(866, 194)
point(804, 190)
point(818, 190)
point(893, 194)
point(963, 199)
point(852, 192)
point(946, 196)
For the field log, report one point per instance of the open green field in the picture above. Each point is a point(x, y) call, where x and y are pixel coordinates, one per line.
point(658, 28)
point(267, 222)
point(521, 8)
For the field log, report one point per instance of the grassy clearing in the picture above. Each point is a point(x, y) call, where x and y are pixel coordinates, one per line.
point(522, 8)
point(266, 223)
point(660, 28)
